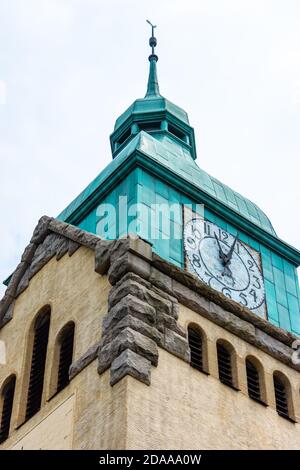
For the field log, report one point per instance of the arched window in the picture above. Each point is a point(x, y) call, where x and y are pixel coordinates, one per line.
point(281, 396)
point(7, 400)
point(38, 362)
point(195, 338)
point(254, 381)
point(66, 345)
point(224, 354)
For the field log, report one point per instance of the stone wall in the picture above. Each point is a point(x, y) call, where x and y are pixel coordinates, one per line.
point(75, 293)
point(186, 409)
point(131, 381)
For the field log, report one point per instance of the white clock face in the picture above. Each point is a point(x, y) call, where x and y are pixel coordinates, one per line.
point(225, 263)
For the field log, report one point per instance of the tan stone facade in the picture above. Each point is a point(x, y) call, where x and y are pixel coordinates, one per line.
point(132, 386)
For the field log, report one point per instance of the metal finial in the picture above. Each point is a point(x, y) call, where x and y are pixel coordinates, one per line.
point(152, 40)
point(152, 87)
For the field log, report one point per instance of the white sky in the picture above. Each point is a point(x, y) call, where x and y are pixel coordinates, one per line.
point(68, 68)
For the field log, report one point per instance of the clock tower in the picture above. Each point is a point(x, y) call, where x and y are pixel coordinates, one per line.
point(154, 176)
point(159, 310)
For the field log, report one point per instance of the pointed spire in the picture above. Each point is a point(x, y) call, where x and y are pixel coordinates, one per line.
point(152, 87)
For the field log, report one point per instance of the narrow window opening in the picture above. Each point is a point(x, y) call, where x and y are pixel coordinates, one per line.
point(65, 357)
point(176, 132)
point(124, 137)
point(281, 398)
point(196, 348)
point(7, 407)
point(38, 363)
point(149, 126)
point(253, 381)
point(224, 365)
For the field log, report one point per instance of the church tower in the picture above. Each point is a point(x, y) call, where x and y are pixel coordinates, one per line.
point(159, 310)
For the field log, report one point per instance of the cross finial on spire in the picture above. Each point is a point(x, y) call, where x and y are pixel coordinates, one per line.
point(152, 40)
point(153, 88)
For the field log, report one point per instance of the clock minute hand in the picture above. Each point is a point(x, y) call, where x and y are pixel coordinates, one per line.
point(230, 253)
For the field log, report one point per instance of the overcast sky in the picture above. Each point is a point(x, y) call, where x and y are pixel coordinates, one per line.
point(68, 68)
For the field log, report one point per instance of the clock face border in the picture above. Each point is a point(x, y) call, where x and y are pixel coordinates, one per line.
point(260, 307)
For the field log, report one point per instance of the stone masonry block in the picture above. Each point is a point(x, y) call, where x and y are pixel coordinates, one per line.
point(127, 339)
point(102, 255)
point(143, 293)
point(128, 262)
point(130, 363)
point(129, 305)
point(176, 345)
point(84, 360)
point(135, 324)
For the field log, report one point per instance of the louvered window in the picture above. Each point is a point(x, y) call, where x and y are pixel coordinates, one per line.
point(38, 362)
point(65, 357)
point(7, 406)
point(149, 126)
point(196, 348)
point(253, 381)
point(124, 137)
point(176, 132)
point(281, 398)
point(224, 365)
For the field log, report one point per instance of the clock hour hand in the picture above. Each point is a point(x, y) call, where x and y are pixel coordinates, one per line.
point(221, 253)
point(227, 272)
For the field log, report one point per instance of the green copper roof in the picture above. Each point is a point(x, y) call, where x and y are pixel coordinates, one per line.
point(152, 104)
point(177, 159)
point(154, 151)
point(155, 111)
point(153, 101)
point(170, 157)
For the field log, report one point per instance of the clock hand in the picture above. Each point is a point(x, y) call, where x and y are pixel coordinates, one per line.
point(229, 254)
point(221, 253)
point(227, 272)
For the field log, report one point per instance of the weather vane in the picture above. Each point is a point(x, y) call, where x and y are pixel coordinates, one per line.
point(152, 40)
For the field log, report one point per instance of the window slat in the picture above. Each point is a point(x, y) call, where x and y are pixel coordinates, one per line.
point(195, 343)
point(38, 362)
point(8, 398)
point(65, 357)
point(224, 365)
point(281, 398)
point(253, 381)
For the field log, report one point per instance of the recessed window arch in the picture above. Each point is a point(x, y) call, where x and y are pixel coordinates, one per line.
point(255, 379)
point(38, 362)
point(7, 400)
point(64, 355)
point(198, 347)
point(283, 396)
point(227, 366)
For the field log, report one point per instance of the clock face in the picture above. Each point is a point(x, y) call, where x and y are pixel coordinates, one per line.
point(225, 263)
